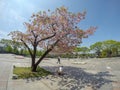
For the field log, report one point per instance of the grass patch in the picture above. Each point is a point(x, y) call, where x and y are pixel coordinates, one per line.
point(25, 72)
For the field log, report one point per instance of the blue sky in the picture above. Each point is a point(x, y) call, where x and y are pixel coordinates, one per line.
point(105, 14)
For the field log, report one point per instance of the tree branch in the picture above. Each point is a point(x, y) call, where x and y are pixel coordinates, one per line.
point(46, 38)
point(31, 41)
point(35, 36)
point(27, 47)
point(46, 52)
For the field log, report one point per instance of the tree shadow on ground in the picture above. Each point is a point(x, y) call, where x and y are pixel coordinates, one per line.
point(76, 78)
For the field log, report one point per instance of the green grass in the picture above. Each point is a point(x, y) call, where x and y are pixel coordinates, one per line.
point(25, 72)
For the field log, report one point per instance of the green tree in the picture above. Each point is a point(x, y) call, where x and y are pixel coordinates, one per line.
point(8, 49)
point(97, 48)
point(106, 48)
point(112, 47)
point(82, 50)
point(12, 45)
point(15, 50)
point(21, 51)
point(104, 53)
point(39, 53)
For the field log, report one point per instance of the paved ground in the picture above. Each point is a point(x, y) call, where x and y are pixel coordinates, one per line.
point(80, 74)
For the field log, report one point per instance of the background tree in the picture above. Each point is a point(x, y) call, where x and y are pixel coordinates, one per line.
point(11, 46)
point(111, 47)
point(8, 49)
point(82, 51)
point(107, 48)
point(52, 31)
point(97, 48)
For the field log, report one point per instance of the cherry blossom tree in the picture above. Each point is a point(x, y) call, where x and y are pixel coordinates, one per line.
point(52, 31)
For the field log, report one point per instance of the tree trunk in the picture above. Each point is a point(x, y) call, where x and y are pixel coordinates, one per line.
point(34, 68)
point(42, 57)
point(33, 65)
point(33, 62)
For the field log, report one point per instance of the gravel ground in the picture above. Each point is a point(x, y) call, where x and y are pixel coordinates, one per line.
point(79, 74)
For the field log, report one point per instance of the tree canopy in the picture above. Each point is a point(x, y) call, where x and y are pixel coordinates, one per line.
point(106, 48)
point(52, 31)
